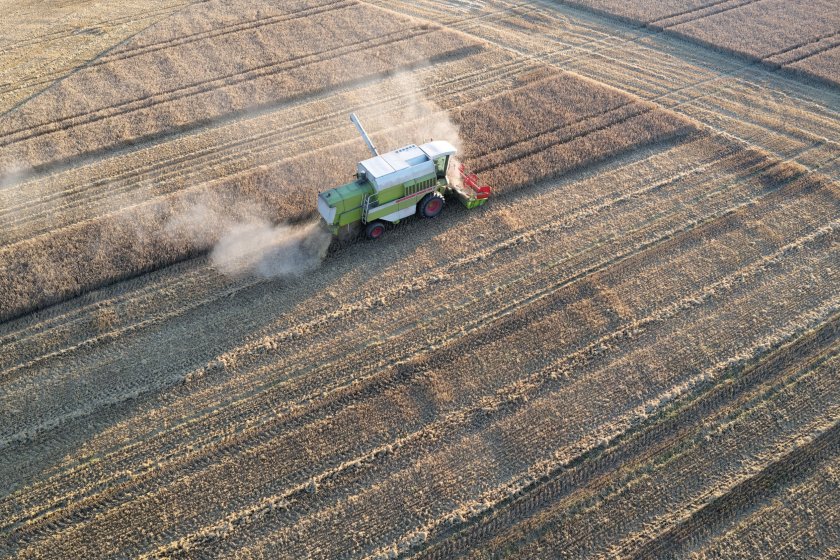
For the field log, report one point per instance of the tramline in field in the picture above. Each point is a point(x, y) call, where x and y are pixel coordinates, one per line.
point(392, 186)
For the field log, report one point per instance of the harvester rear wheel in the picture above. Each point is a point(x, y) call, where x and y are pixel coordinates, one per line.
point(432, 205)
point(375, 230)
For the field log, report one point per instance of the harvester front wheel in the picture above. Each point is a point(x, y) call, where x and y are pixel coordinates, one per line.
point(432, 205)
point(375, 230)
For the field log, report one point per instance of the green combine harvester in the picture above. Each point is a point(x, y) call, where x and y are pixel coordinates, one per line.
point(392, 186)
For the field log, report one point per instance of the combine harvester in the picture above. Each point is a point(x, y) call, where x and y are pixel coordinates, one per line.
point(395, 185)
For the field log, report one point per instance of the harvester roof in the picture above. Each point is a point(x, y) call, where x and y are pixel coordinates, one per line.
point(404, 164)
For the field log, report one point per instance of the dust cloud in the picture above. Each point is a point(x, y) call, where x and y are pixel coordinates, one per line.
point(13, 174)
point(270, 251)
point(427, 119)
point(243, 240)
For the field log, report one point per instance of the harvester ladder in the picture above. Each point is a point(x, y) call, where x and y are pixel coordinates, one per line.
point(366, 207)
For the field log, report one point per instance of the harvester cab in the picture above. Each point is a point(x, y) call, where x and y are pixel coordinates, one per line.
point(392, 186)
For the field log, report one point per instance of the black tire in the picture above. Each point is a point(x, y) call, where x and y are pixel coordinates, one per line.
point(375, 230)
point(431, 205)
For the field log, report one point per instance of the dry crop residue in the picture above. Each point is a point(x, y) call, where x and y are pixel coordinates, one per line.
point(631, 351)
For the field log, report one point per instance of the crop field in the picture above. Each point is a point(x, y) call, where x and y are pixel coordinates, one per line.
point(632, 351)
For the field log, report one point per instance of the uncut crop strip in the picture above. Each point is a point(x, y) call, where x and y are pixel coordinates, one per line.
point(824, 64)
point(75, 233)
point(526, 517)
point(507, 66)
point(808, 19)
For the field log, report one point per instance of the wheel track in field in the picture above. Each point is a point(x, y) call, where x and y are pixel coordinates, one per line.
point(61, 73)
point(800, 58)
point(799, 462)
point(710, 10)
point(805, 43)
point(56, 35)
point(515, 306)
point(674, 308)
point(505, 398)
point(309, 11)
point(575, 509)
point(636, 446)
point(195, 88)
